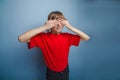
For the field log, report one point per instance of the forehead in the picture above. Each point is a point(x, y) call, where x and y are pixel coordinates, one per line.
point(56, 17)
point(59, 17)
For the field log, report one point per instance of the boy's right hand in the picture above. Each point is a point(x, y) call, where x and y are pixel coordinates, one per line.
point(50, 24)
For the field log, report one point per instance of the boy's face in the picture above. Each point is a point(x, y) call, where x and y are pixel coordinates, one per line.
point(58, 28)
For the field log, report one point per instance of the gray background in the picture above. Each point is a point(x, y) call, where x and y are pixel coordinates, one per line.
point(96, 59)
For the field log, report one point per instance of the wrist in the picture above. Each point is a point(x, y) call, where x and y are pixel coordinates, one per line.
point(68, 26)
point(45, 27)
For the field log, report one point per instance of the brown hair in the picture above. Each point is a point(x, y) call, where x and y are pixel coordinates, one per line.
point(56, 15)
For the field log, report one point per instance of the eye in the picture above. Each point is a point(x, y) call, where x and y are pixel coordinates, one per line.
point(57, 18)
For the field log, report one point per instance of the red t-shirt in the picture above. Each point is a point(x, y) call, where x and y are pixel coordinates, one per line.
point(55, 48)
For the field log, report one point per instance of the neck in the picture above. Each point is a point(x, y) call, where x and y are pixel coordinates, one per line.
point(56, 33)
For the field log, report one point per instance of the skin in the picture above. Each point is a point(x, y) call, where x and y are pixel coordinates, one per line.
point(56, 27)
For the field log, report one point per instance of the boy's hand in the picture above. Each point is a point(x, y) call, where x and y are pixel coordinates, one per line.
point(65, 23)
point(50, 24)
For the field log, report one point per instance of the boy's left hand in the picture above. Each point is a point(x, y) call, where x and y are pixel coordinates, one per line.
point(65, 23)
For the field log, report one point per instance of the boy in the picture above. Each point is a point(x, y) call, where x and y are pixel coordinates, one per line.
point(54, 44)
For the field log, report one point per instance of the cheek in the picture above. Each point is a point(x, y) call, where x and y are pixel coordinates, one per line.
point(61, 27)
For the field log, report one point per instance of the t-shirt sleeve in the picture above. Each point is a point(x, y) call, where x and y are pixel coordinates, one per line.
point(73, 39)
point(35, 41)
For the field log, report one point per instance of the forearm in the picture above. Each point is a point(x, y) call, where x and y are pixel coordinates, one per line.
point(78, 32)
point(25, 37)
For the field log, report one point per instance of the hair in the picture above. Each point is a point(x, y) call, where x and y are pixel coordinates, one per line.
point(56, 15)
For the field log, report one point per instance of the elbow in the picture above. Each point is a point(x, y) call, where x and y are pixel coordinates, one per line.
point(20, 39)
point(86, 38)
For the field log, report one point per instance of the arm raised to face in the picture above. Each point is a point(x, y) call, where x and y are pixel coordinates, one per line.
point(83, 35)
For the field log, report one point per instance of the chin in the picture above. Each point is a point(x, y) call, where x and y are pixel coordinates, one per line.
point(59, 30)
